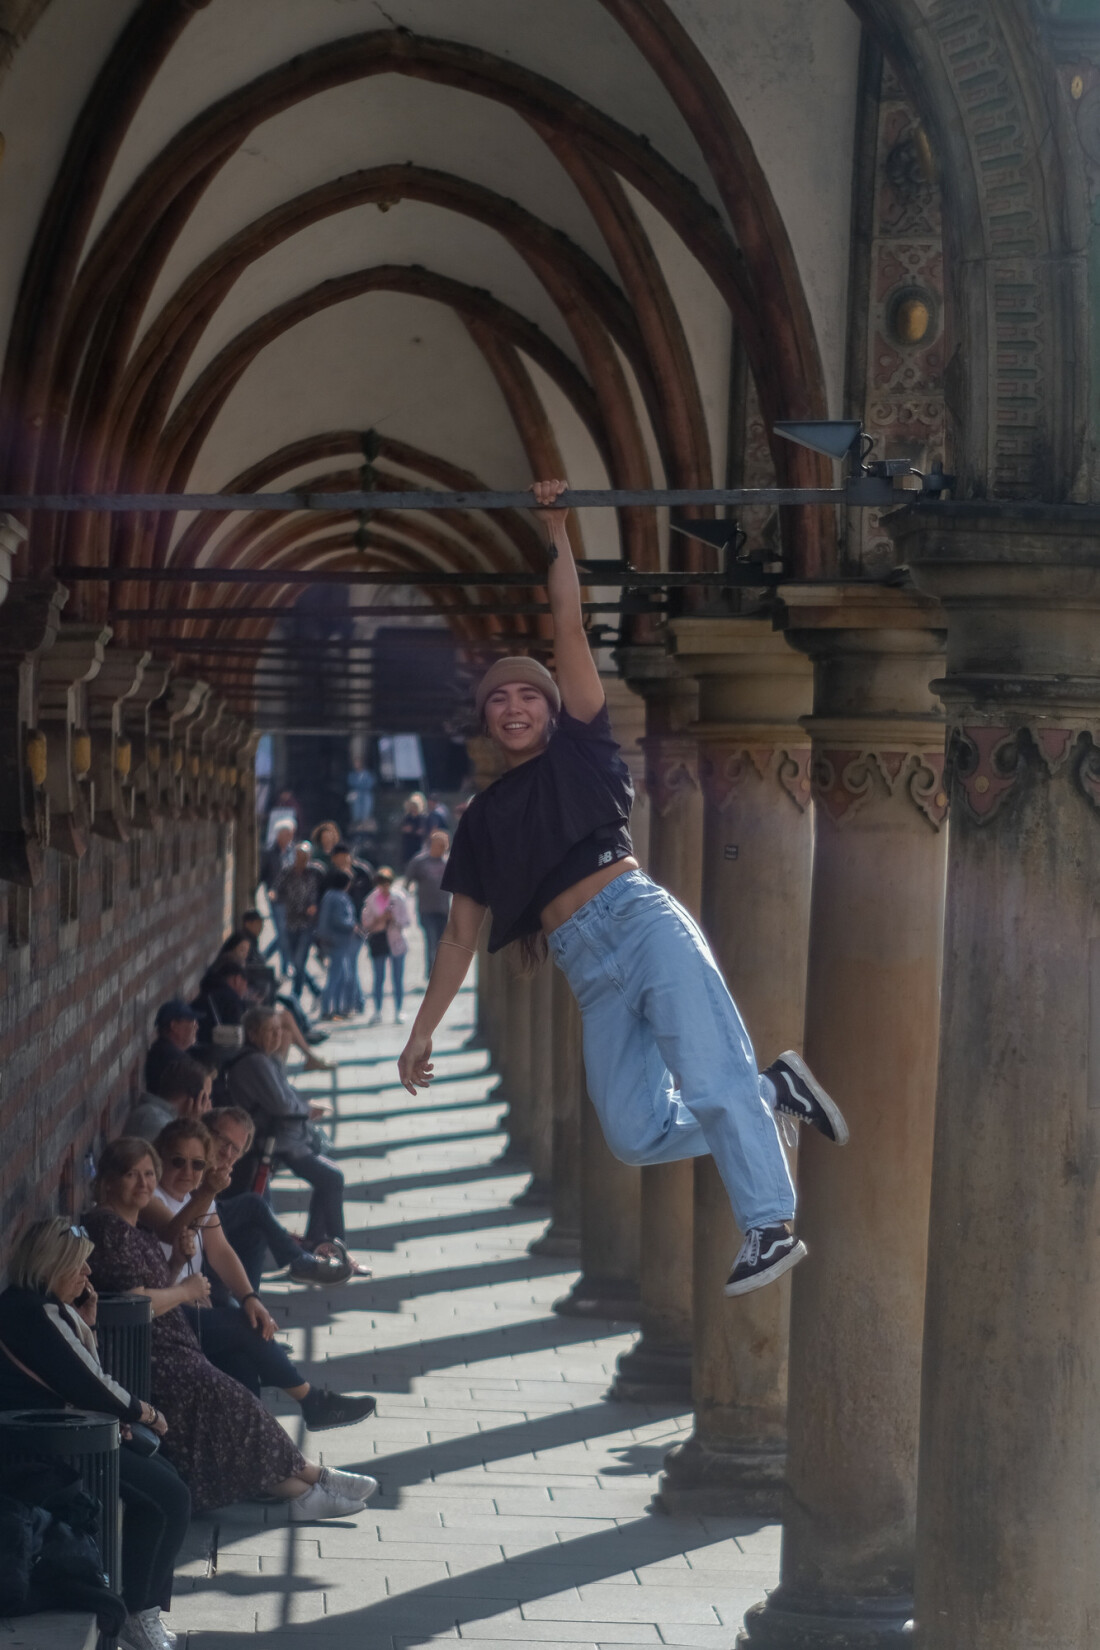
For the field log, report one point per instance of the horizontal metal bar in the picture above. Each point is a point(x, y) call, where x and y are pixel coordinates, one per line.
point(488, 610)
point(612, 498)
point(601, 572)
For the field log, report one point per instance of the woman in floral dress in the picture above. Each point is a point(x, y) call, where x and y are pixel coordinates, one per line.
point(221, 1440)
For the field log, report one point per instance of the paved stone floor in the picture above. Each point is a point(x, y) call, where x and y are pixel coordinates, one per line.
point(516, 1501)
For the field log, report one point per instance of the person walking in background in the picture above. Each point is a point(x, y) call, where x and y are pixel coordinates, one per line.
point(412, 828)
point(437, 818)
point(286, 809)
point(298, 887)
point(433, 905)
point(324, 839)
point(338, 935)
point(276, 859)
point(385, 918)
point(360, 794)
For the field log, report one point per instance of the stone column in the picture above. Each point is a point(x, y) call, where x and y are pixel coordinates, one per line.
point(610, 1231)
point(755, 909)
point(515, 1063)
point(609, 1190)
point(872, 1016)
point(563, 1235)
point(1009, 1496)
point(540, 1089)
point(658, 1368)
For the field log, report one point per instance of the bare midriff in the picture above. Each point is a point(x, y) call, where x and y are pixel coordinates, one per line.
point(570, 900)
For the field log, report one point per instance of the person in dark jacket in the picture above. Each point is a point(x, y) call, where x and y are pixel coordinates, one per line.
point(48, 1356)
point(177, 1026)
point(221, 1003)
point(256, 1080)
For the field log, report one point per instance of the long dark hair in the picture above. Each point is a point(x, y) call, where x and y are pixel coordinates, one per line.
point(528, 954)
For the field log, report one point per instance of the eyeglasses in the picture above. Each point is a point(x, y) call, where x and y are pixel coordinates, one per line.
point(229, 1147)
point(188, 1162)
point(79, 1232)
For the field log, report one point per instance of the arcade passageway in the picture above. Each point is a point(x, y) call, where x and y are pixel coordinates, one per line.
point(517, 1502)
point(277, 274)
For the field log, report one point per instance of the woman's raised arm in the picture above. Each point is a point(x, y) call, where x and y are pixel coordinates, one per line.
point(578, 679)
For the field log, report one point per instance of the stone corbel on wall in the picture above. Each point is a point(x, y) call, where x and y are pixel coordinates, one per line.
point(205, 733)
point(170, 719)
point(29, 622)
point(64, 672)
point(143, 784)
point(119, 676)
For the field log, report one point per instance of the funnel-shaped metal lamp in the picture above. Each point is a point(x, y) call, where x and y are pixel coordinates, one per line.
point(835, 437)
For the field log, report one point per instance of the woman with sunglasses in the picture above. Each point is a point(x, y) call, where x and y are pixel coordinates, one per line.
point(237, 1338)
point(48, 1357)
point(223, 1442)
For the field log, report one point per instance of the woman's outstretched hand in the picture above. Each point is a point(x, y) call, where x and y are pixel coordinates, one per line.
point(414, 1066)
point(546, 493)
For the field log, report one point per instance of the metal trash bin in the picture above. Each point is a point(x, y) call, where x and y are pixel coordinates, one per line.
point(89, 1443)
point(124, 1334)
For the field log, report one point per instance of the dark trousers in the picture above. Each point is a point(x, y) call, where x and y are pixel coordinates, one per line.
point(232, 1345)
point(251, 1228)
point(300, 942)
point(326, 1206)
point(433, 923)
point(156, 1510)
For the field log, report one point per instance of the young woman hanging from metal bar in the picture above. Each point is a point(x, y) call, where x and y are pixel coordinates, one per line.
point(546, 850)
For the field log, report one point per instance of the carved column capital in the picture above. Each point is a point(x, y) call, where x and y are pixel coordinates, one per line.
point(728, 764)
point(1021, 590)
point(877, 730)
point(671, 769)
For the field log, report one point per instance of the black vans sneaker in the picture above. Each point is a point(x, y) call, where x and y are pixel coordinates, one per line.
point(767, 1252)
point(798, 1094)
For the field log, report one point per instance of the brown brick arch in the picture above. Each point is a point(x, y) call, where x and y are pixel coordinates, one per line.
point(209, 140)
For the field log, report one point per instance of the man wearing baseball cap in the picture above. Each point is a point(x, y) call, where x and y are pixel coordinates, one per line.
point(177, 1026)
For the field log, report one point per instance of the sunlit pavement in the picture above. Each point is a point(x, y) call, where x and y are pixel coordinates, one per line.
point(516, 1501)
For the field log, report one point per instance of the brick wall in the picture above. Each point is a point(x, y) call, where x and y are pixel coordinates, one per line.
point(83, 966)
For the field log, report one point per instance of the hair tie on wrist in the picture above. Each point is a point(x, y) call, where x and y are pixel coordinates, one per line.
point(251, 1296)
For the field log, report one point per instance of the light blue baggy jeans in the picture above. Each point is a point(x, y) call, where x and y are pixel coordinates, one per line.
point(671, 1070)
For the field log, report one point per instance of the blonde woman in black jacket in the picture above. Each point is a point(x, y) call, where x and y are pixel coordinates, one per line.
point(48, 1357)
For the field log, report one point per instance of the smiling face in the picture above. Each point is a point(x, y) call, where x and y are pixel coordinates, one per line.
point(130, 1191)
point(517, 720)
point(184, 1167)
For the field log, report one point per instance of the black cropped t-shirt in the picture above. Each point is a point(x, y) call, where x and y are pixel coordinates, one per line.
point(543, 826)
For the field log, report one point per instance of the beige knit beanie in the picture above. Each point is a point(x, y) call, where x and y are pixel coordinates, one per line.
point(517, 670)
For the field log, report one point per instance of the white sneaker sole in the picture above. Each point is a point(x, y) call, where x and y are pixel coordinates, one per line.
point(826, 1102)
point(760, 1280)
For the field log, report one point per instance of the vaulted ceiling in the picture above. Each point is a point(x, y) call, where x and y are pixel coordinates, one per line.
point(510, 238)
